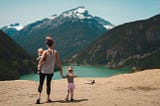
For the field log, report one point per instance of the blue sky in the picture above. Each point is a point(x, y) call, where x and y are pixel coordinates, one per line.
point(115, 11)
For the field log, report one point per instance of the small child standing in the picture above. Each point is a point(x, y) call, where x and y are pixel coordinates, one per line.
point(40, 52)
point(71, 86)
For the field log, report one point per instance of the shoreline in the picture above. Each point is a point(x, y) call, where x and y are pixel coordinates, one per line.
point(83, 72)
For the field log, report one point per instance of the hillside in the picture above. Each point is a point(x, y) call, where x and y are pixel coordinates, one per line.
point(138, 89)
point(14, 60)
point(134, 44)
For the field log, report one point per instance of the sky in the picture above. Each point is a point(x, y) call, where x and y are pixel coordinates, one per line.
point(116, 11)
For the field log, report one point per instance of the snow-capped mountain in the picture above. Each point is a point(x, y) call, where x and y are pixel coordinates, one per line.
point(79, 13)
point(72, 30)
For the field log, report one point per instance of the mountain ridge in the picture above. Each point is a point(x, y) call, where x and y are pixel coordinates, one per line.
point(125, 45)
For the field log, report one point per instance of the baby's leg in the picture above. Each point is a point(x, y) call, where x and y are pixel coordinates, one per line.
point(67, 96)
point(72, 92)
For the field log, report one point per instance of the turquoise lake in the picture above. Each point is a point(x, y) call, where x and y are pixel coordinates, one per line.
point(82, 72)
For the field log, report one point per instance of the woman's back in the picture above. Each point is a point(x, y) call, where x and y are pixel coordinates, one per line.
point(49, 64)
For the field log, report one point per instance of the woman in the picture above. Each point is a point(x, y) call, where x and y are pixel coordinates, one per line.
point(46, 66)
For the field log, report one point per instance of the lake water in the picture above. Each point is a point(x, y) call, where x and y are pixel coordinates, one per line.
point(83, 71)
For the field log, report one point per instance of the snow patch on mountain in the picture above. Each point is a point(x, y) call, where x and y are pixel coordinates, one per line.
point(79, 12)
point(17, 26)
point(108, 27)
point(52, 16)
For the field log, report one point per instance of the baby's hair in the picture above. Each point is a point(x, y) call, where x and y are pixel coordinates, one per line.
point(40, 50)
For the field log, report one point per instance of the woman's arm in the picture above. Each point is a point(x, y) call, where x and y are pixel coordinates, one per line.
point(59, 63)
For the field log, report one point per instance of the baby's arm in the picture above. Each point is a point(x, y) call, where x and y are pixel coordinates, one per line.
point(38, 58)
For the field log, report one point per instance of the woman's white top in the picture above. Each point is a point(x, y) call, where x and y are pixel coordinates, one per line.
point(49, 63)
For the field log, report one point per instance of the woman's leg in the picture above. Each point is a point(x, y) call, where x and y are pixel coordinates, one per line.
point(40, 87)
point(49, 78)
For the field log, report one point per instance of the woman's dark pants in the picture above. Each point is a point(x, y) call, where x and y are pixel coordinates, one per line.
point(41, 81)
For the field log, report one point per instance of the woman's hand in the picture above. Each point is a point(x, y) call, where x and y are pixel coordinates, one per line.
point(61, 73)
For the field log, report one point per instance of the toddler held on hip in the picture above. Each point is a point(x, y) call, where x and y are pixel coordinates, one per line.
point(40, 52)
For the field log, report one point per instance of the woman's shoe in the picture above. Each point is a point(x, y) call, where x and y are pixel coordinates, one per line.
point(38, 101)
point(49, 100)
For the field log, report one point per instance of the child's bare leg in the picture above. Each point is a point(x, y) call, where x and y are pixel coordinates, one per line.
point(72, 92)
point(67, 96)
